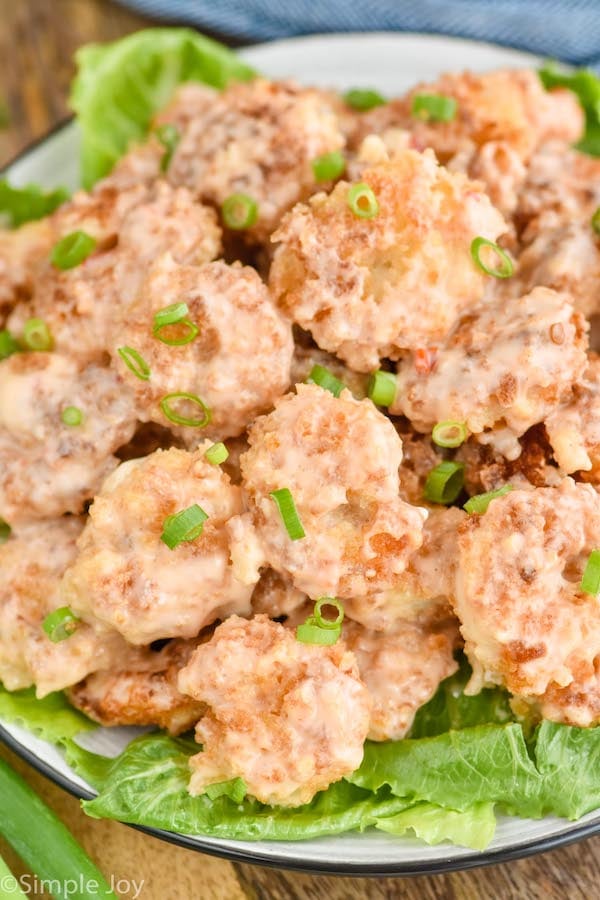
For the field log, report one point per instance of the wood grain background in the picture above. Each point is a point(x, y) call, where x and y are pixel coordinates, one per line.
point(37, 41)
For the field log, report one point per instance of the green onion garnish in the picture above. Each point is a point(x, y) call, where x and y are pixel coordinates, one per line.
point(326, 380)
point(169, 137)
point(8, 344)
point(434, 107)
point(590, 581)
point(239, 211)
point(236, 789)
point(328, 166)
point(480, 502)
point(36, 335)
point(5, 531)
point(60, 624)
point(186, 525)
point(382, 388)
point(449, 433)
point(135, 362)
point(596, 221)
point(363, 99)
point(445, 482)
point(177, 419)
point(505, 267)
point(311, 633)
point(288, 512)
point(321, 620)
point(362, 201)
point(217, 454)
point(176, 314)
point(72, 415)
point(71, 250)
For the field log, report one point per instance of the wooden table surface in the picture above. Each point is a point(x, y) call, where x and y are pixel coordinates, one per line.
point(37, 40)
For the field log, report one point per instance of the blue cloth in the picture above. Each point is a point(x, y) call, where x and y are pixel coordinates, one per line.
point(566, 30)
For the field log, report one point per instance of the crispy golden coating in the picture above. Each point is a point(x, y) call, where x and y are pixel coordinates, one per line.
point(22, 252)
point(487, 470)
point(275, 595)
point(574, 429)
point(339, 458)
point(305, 357)
point(371, 288)
point(419, 456)
point(127, 577)
point(508, 364)
point(289, 718)
point(140, 689)
point(48, 468)
point(239, 362)
point(32, 563)
point(526, 622)
point(257, 138)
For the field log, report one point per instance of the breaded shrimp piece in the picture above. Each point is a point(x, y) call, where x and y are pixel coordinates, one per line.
point(239, 362)
point(487, 470)
point(339, 458)
point(32, 563)
point(141, 689)
point(499, 166)
point(574, 429)
point(129, 579)
point(508, 105)
point(47, 467)
point(371, 288)
point(79, 305)
point(401, 669)
point(526, 622)
point(274, 595)
point(289, 718)
point(22, 251)
point(305, 357)
point(509, 363)
point(258, 138)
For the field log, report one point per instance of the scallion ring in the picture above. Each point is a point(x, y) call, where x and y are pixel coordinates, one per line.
point(382, 387)
point(186, 525)
point(449, 433)
point(177, 418)
point(169, 137)
point(176, 314)
point(596, 222)
point(60, 624)
point(363, 99)
point(325, 379)
point(505, 267)
point(135, 362)
point(590, 581)
point(239, 211)
point(72, 250)
point(72, 416)
point(311, 633)
point(328, 166)
point(5, 531)
point(434, 107)
point(288, 512)
point(362, 201)
point(321, 620)
point(8, 344)
point(36, 336)
point(479, 503)
point(445, 482)
point(217, 454)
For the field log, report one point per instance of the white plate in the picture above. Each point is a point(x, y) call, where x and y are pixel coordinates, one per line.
point(389, 63)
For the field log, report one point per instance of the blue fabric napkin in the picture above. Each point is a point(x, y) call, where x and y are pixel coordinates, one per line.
point(566, 30)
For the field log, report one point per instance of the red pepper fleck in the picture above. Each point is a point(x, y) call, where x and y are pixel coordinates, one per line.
point(425, 360)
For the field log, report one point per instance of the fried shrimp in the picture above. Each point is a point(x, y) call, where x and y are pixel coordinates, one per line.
point(275, 595)
point(288, 718)
point(259, 139)
point(487, 470)
point(141, 689)
point(339, 458)
point(238, 363)
point(49, 467)
point(128, 578)
point(22, 252)
point(506, 364)
point(368, 288)
point(32, 561)
point(574, 429)
point(526, 622)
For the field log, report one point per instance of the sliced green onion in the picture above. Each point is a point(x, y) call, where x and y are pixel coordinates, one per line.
point(236, 789)
point(239, 211)
point(445, 482)
point(326, 380)
point(186, 338)
point(363, 99)
point(217, 454)
point(186, 525)
point(382, 388)
point(449, 433)
point(321, 620)
point(590, 581)
point(60, 624)
point(176, 314)
point(5, 531)
point(135, 362)
point(328, 166)
point(36, 335)
point(480, 502)
point(177, 419)
point(288, 512)
point(596, 221)
point(505, 267)
point(312, 633)
point(8, 344)
point(434, 107)
point(362, 201)
point(169, 137)
point(72, 415)
point(72, 250)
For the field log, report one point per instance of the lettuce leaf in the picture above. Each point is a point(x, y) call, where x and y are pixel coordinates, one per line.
point(20, 205)
point(474, 828)
point(53, 718)
point(119, 86)
point(585, 84)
